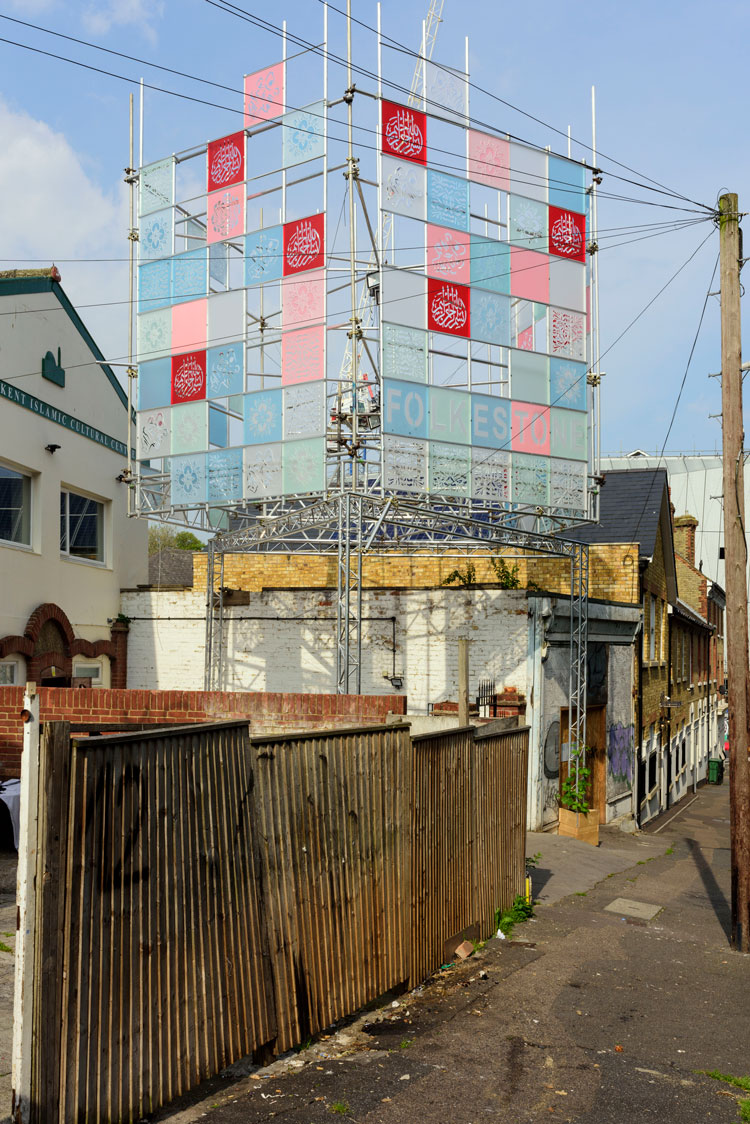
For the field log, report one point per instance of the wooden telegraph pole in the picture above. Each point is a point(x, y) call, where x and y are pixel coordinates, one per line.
point(735, 551)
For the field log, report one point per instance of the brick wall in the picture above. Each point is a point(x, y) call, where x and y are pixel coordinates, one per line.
point(613, 571)
point(267, 712)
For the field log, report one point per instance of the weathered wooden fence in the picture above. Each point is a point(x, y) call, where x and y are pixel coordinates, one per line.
point(201, 894)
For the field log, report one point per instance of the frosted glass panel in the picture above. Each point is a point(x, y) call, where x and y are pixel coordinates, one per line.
point(405, 409)
point(529, 377)
point(568, 384)
point(225, 476)
point(568, 334)
point(264, 95)
point(262, 413)
point(404, 353)
point(262, 471)
point(153, 434)
point(303, 134)
point(405, 464)
point(405, 298)
point(450, 416)
point(189, 275)
point(490, 264)
point(530, 480)
point(489, 160)
point(567, 184)
point(154, 384)
point(447, 92)
point(154, 334)
point(154, 285)
point(527, 225)
point(225, 212)
point(224, 370)
point(303, 464)
point(264, 255)
point(302, 355)
point(190, 428)
point(490, 317)
point(156, 186)
point(404, 188)
point(528, 172)
point(226, 317)
point(189, 326)
point(156, 235)
point(188, 479)
point(304, 410)
point(567, 284)
point(529, 275)
point(569, 434)
point(490, 476)
point(448, 254)
point(447, 200)
point(303, 299)
point(568, 485)
point(450, 469)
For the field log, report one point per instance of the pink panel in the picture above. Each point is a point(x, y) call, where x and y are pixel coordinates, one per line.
point(264, 95)
point(588, 309)
point(448, 254)
point(489, 160)
point(302, 355)
point(529, 275)
point(530, 428)
point(225, 215)
point(189, 326)
point(526, 339)
point(302, 299)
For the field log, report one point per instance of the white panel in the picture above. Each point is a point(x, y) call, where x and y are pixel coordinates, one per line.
point(450, 469)
point(226, 317)
point(567, 284)
point(447, 92)
point(153, 434)
point(262, 471)
point(528, 172)
point(405, 464)
point(490, 476)
point(404, 188)
point(304, 410)
point(568, 485)
point(404, 299)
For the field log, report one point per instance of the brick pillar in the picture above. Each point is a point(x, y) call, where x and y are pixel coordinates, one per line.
point(119, 658)
point(684, 537)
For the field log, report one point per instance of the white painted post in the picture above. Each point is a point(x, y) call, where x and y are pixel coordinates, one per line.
point(463, 682)
point(23, 999)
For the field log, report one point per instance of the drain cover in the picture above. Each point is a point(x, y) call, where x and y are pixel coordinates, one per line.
point(627, 908)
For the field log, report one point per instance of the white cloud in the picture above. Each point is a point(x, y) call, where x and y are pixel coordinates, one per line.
point(31, 7)
point(99, 19)
point(53, 210)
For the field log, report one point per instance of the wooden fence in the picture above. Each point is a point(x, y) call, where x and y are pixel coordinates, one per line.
point(201, 894)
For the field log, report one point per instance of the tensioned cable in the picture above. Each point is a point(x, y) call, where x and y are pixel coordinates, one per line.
point(561, 185)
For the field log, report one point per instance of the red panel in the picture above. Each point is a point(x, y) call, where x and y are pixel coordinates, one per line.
point(404, 132)
point(304, 244)
point(567, 234)
point(226, 161)
point(189, 377)
point(448, 308)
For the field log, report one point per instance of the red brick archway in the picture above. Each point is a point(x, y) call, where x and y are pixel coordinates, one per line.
point(49, 641)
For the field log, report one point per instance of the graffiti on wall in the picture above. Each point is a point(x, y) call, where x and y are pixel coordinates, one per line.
point(620, 759)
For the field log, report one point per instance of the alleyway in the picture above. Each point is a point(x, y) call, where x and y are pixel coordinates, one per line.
point(588, 1015)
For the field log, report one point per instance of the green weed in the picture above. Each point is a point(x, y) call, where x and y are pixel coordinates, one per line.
point(743, 1103)
point(341, 1107)
point(5, 947)
point(406, 1043)
point(669, 851)
point(520, 911)
point(580, 893)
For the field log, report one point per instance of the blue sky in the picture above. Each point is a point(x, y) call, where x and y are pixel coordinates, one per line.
point(667, 106)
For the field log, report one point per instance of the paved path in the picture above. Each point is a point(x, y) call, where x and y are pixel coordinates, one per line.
point(597, 1017)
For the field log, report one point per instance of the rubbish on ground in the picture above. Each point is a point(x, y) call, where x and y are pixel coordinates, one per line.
point(464, 950)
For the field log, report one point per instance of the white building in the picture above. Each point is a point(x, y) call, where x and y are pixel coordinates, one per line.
point(66, 542)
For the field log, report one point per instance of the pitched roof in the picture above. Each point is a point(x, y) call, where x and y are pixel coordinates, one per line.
point(171, 567)
point(631, 504)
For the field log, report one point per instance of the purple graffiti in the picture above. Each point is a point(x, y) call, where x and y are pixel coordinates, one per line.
point(620, 752)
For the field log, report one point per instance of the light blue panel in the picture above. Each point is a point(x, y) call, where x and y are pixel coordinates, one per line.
point(530, 484)
point(218, 428)
point(156, 235)
point(188, 479)
point(302, 134)
point(404, 408)
point(225, 475)
point(156, 186)
point(218, 263)
point(490, 421)
point(568, 434)
point(303, 465)
point(490, 264)
point(154, 384)
point(153, 285)
point(490, 317)
point(450, 469)
point(527, 223)
point(404, 353)
point(450, 416)
point(155, 334)
point(529, 376)
point(567, 384)
point(264, 254)
point(189, 276)
point(224, 370)
point(447, 200)
point(262, 414)
point(567, 185)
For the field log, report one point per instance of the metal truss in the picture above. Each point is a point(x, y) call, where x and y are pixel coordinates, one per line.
point(353, 524)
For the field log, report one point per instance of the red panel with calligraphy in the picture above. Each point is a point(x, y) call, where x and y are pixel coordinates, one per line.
point(404, 132)
point(304, 244)
point(567, 234)
point(448, 308)
point(226, 161)
point(189, 377)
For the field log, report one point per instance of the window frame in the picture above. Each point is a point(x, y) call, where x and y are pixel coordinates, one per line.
point(28, 476)
point(15, 664)
point(66, 491)
point(652, 628)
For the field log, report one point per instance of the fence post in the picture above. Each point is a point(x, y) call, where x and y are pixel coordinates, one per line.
point(23, 998)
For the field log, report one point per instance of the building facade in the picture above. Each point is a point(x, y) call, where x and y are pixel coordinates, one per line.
point(67, 545)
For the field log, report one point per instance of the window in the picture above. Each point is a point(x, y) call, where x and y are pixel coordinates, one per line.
point(8, 674)
point(652, 772)
point(683, 647)
point(652, 628)
point(81, 527)
point(15, 506)
point(91, 672)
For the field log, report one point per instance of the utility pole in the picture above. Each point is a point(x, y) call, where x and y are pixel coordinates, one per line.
point(735, 550)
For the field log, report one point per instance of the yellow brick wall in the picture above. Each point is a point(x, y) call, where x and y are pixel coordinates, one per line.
point(613, 571)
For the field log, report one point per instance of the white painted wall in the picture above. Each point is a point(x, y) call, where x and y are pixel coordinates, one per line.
point(87, 592)
point(279, 653)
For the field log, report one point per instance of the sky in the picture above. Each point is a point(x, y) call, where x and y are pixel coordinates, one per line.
point(667, 107)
